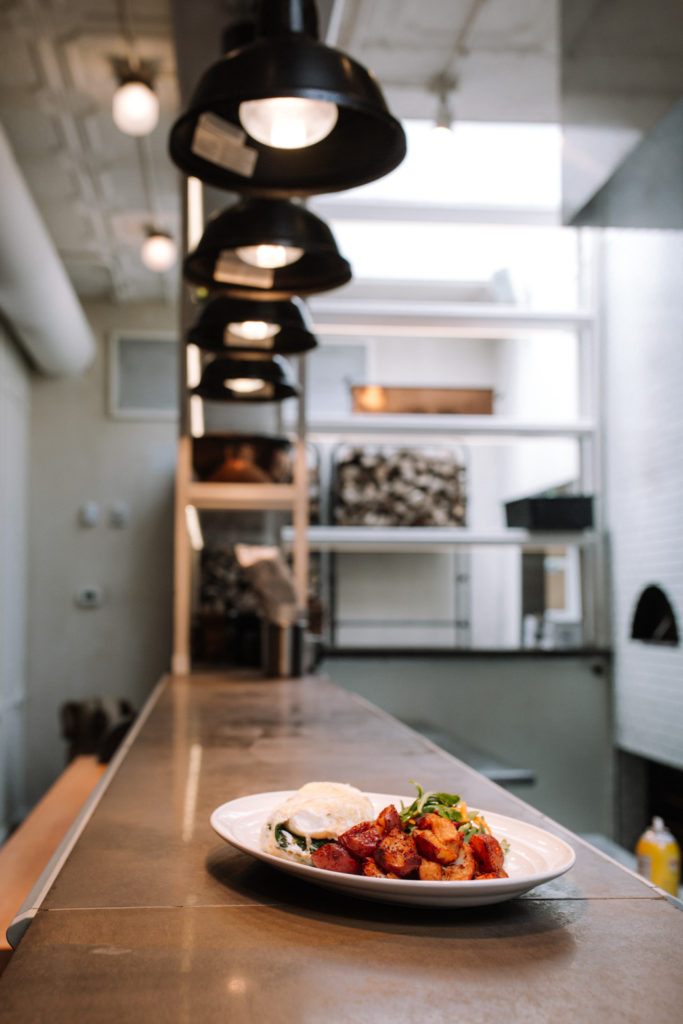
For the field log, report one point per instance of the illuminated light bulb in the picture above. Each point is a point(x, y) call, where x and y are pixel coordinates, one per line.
point(243, 385)
point(158, 252)
point(135, 108)
point(288, 122)
point(254, 330)
point(442, 131)
point(269, 256)
point(373, 398)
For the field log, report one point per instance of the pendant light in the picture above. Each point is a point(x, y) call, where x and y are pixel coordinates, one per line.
point(285, 115)
point(135, 105)
point(227, 325)
point(158, 251)
point(267, 249)
point(254, 379)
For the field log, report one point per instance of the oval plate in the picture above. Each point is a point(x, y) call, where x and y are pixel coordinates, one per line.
point(535, 856)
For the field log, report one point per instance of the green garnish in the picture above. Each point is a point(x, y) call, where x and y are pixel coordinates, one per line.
point(444, 804)
point(285, 838)
point(470, 829)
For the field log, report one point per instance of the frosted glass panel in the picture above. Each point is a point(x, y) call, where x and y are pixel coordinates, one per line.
point(144, 377)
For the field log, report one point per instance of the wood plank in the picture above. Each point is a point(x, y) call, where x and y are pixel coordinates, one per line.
point(26, 853)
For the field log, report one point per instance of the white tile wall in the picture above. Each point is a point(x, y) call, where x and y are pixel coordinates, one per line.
point(643, 335)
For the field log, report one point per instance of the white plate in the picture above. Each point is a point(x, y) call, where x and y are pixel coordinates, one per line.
point(535, 856)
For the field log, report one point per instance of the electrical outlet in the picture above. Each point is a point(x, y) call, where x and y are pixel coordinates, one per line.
point(119, 515)
point(89, 597)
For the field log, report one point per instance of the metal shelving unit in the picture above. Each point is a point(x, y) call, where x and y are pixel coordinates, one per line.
point(338, 316)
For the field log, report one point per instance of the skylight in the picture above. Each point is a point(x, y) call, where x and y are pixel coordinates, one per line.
point(478, 165)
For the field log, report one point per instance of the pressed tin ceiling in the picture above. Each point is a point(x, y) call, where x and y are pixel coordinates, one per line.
point(98, 189)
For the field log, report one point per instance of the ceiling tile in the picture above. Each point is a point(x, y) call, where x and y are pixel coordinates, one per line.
point(91, 280)
point(31, 131)
point(53, 181)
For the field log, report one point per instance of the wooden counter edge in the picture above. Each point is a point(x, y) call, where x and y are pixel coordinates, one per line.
point(31, 904)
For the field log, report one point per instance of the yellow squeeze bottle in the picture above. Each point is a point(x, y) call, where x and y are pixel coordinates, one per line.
point(659, 857)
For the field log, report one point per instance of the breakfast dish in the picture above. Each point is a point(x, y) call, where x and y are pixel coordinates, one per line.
point(332, 826)
point(531, 855)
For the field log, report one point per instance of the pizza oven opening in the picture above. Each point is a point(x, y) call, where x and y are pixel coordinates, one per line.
point(654, 620)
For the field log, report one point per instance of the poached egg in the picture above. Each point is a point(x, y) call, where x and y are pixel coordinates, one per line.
point(319, 810)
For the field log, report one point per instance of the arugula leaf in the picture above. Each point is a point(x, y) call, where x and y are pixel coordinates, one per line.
point(469, 829)
point(444, 804)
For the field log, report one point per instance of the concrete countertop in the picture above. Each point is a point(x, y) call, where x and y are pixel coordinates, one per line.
point(153, 918)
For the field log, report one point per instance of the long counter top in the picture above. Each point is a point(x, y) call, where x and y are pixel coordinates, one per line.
point(152, 917)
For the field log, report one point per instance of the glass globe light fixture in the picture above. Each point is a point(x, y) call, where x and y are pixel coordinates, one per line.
point(158, 251)
point(135, 107)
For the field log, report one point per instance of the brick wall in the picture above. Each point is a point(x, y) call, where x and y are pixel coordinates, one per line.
point(643, 339)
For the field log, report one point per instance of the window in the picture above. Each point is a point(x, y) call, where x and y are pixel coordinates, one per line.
point(143, 375)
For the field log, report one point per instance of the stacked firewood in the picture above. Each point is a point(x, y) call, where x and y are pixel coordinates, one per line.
point(224, 587)
point(390, 486)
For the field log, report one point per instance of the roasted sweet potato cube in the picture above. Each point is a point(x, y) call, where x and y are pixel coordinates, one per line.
point(463, 868)
point(431, 848)
point(372, 870)
point(437, 838)
point(488, 853)
point(443, 828)
point(388, 819)
point(333, 857)
point(430, 871)
point(502, 873)
point(361, 840)
point(398, 854)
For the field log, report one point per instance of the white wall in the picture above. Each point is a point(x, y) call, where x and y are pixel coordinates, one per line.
point(79, 454)
point(15, 401)
point(643, 332)
point(546, 713)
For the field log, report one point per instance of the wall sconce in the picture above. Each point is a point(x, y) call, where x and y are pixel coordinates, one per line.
point(256, 378)
point(158, 251)
point(234, 324)
point(267, 249)
point(135, 106)
point(285, 115)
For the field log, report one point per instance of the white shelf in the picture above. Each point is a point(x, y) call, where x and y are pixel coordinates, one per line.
point(264, 497)
point(432, 538)
point(337, 314)
point(371, 425)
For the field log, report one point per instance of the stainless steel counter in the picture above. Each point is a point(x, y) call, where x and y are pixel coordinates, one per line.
point(153, 918)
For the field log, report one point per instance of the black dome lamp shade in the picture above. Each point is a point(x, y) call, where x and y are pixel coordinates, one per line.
point(266, 249)
point(255, 379)
point(285, 115)
point(227, 325)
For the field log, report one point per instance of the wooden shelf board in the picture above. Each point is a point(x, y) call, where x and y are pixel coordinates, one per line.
point(240, 496)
